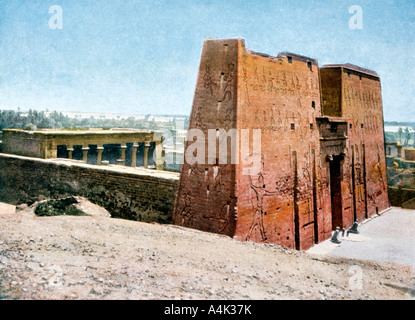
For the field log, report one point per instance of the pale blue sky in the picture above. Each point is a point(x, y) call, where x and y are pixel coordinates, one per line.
point(133, 56)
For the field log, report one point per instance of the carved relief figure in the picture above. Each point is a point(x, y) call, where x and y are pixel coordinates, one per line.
point(260, 192)
point(256, 82)
point(208, 81)
point(272, 116)
point(245, 80)
point(225, 217)
point(199, 122)
point(198, 172)
point(378, 173)
point(227, 122)
point(186, 212)
point(227, 91)
point(218, 184)
point(256, 117)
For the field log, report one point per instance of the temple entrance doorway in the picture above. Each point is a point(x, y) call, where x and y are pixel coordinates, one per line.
point(336, 192)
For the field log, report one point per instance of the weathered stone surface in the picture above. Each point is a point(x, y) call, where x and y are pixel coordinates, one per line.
point(58, 207)
point(322, 159)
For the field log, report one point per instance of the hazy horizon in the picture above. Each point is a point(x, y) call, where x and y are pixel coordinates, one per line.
point(142, 57)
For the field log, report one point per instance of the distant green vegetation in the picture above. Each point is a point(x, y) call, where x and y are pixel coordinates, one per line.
point(405, 134)
point(34, 120)
point(399, 124)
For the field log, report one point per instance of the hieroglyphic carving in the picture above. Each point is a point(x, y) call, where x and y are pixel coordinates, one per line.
point(265, 118)
point(226, 96)
point(245, 80)
point(280, 124)
point(257, 117)
point(227, 122)
point(282, 82)
point(284, 185)
point(305, 189)
point(257, 83)
point(272, 120)
point(378, 172)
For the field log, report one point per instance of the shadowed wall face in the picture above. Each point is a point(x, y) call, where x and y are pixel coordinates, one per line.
point(206, 196)
point(127, 195)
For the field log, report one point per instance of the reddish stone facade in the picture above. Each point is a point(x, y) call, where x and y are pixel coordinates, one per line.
point(322, 161)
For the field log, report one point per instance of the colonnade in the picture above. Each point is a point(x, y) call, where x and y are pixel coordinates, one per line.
point(122, 159)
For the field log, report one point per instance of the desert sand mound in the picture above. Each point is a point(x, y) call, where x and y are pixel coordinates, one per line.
point(96, 257)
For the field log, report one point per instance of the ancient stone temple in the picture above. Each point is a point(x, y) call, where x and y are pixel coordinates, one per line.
point(130, 147)
point(321, 163)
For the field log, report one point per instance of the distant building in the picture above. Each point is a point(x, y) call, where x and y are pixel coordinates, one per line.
point(100, 115)
point(393, 149)
point(409, 154)
point(131, 147)
point(120, 116)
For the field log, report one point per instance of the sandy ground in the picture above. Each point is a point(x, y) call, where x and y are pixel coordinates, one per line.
point(95, 257)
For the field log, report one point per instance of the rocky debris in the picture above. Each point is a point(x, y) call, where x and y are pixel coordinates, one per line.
point(58, 207)
point(71, 206)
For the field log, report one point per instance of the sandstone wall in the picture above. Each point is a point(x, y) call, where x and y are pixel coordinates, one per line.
point(125, 194)
point(362, 99)
point(364, 184)
point(283, 203)
point(322, 161)
point(22, 143)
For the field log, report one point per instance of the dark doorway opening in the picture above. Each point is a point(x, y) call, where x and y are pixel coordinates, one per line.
point(128, 154)
point(77, 152)
point(336, 194)
point(315, 209)
point(111, 153)
point(62, 152)
point(140, 155)
point(296, 208)
point(93, 154)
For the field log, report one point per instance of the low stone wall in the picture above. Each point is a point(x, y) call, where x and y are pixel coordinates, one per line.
point(410, 204)
point(398, 196)
point(409, 154)
point(130, 193)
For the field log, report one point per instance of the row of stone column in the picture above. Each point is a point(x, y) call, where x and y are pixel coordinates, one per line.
point(134, 156)
point(121, 160)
